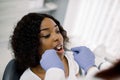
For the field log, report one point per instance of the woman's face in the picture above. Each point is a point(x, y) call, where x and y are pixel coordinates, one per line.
point(50, 36)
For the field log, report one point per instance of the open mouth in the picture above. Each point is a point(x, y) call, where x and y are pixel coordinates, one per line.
point(58, 47)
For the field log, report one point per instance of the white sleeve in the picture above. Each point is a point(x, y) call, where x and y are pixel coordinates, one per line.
point(55, 74)
point(94, 70)
point(91, 72)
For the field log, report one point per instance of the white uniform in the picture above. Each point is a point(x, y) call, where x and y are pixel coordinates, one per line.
point(58, 74)
point(51, 74)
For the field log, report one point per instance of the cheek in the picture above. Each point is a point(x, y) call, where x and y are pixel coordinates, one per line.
point(61, 38)
point(46, 44)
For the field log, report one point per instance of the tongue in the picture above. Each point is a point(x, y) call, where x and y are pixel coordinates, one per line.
point(61, 51)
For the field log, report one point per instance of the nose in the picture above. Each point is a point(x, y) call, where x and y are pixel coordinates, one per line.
point(56, 37)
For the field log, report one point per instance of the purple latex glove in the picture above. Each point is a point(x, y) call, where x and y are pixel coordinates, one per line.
point(50, 59)
point(84, 57)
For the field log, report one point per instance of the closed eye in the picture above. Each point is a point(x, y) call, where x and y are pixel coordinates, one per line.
point(46, 36)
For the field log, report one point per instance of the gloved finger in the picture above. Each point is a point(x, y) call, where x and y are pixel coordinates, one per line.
point(75, 49)
point(75, 54)
point(79, 48)
point(50, 50)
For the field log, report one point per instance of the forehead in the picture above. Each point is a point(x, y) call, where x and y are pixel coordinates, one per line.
point(47, 22)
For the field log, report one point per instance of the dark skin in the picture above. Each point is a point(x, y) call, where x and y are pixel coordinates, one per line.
point(40, 72)
point(50, 37)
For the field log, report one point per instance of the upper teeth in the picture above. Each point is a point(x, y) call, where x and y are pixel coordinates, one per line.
point(58, 47)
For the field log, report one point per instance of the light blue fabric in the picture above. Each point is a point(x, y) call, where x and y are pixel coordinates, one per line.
point(50, 59)
point(84, 57)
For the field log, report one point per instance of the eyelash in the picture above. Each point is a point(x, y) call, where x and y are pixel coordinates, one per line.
point(47, 36)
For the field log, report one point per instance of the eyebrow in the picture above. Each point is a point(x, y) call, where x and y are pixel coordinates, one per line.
point(44, 29)
point(47, 28)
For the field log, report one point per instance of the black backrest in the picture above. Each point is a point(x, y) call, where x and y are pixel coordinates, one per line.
point(11, 72)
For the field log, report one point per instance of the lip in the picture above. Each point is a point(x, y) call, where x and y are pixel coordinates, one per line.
point(58, 45)
point(59, 48)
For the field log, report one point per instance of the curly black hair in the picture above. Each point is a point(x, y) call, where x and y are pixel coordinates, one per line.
point(25, 41)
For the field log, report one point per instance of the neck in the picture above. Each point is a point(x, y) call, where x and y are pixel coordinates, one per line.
point(61, 56)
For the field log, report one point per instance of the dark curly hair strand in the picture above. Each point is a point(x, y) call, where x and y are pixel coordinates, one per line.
point(25, 41)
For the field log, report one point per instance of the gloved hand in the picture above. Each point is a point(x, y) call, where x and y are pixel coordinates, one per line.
point(84, 57)
point(50, 59)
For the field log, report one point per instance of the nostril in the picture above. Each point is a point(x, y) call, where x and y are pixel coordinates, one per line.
point(56, 38)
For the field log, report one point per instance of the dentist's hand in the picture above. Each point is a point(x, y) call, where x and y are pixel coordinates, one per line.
point(50, 59)
point(84, 57)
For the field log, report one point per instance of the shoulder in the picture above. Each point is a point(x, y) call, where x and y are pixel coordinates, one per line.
point(29, 75)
